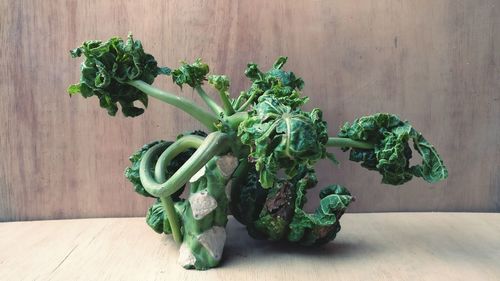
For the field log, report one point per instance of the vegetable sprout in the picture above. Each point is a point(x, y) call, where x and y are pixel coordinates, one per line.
point(257, 158)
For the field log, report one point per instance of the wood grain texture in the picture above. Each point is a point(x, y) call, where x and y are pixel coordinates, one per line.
point(435, 63)
point(391, 246)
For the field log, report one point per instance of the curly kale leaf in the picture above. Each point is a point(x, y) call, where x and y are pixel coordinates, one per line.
point(276, 214)
point(282, 138)
point(157, 219)
point(283, 218)
point(192, 74)
point(219, 82)
point(322, 225)
point(392, 153)
point(247, 197)
point(283, 85)
point(107, 68)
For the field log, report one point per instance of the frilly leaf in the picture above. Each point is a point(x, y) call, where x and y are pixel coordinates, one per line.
point(157, 219)
point(392, 153)
point(107, 68)
point(283, 218)
point(219, 82)
point(282, 138)
point(283, 85)
point(192, 74)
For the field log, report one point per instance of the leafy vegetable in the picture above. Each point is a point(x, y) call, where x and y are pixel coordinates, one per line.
point(321, 226)
point(259, 155)
point(392, 153)
point(157, 219)
point(282, 138)
point(220, 82)
point(247, 195)
point(282, 216)
point(282, 85)
point(192, 74)
point(107, 69)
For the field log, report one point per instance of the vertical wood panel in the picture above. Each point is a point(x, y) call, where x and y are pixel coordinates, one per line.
point(432, 62)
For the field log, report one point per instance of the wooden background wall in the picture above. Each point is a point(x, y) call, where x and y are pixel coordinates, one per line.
point(435, 63)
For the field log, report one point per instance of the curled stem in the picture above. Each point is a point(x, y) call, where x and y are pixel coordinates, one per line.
point(158, 186)
point(214, 144)
point(168, 155)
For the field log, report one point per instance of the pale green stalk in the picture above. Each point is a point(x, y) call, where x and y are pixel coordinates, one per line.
point(347, 142)
point(187, 106)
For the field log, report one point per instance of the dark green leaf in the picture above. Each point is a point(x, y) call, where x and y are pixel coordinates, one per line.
point(107, 68)
point(282, 138)
point(392, 153)
point(219, 82)
point(284, 86)
point(157, 219)
point(322, 225)
point(247, 196)
point(282, 216)
point(192, 74)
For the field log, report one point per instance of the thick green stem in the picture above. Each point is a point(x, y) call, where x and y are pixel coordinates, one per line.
point(168, 205)
point(234, 120)
point(209, 101)
point(347, 142)
point(214, 144)
point(187, 106)
point(168, 155)
point(226, 103)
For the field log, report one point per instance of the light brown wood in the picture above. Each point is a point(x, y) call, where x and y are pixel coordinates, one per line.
point(435, 63)
point(390, 246)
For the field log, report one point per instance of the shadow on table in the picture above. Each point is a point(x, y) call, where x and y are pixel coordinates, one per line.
point(240, 247)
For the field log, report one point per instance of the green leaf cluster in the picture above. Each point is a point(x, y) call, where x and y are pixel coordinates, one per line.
point(191, 74)
point(107, 68)
point(392, 152)
point(321, 226)
point(219, 82)
point(276, 82)
point(282, 216)
point(281, 137)
point(247, 196)
point(157, 219)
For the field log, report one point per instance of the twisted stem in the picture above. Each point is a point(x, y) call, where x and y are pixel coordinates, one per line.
point(159, 186)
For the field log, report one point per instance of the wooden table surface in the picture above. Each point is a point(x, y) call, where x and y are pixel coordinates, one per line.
point(388, 246)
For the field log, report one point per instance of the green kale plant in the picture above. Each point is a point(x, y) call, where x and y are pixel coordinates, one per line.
point(257, 160)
